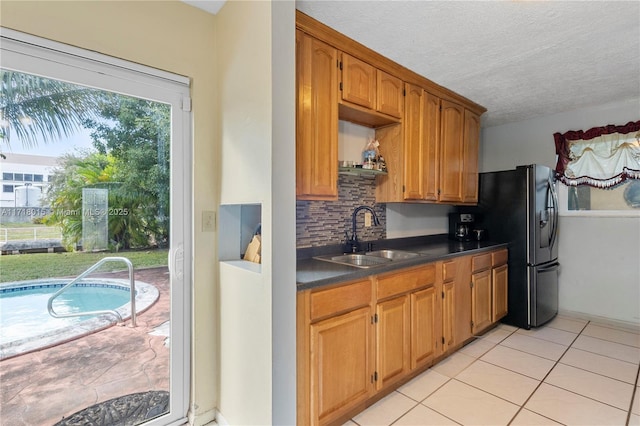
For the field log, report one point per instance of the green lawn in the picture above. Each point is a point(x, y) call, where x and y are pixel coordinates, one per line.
point(52, 265)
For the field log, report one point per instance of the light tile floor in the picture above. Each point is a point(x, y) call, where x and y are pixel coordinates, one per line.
point(571, 372)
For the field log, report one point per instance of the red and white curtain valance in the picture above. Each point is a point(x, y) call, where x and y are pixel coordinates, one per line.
point(601, 157)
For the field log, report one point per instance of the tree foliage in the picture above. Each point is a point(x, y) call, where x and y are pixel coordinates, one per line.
point(127, 224)
point(136, 132)
point(34, 108)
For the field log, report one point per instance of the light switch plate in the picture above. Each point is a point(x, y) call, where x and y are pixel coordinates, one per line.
point(367, 219)
point(208, 221)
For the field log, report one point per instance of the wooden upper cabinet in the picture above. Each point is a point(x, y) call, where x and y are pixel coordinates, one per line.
point(452, 152)
point(430, 148)
point(373, 89)
point(389, 94)
point(317, 119)
point(471, 147)
point(413, 143)
point(422, 124)
point(428, 134)
point(358, 82)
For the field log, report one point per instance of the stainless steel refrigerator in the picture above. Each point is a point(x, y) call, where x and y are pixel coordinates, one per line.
point(520, 207)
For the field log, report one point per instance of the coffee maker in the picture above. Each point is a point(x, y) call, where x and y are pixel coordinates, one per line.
point(461, 225)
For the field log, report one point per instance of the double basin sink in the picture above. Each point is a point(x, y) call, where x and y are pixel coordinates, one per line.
point(369, 259)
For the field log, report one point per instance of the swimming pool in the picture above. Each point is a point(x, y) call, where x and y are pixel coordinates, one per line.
point(25, 323)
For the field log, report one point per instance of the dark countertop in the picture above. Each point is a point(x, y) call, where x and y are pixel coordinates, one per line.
point(313, 273)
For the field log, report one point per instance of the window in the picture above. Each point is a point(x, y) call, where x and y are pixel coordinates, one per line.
point(7, 176)
point(38, 178)
point(600, 169)
point(18, 177)
point(625, 196)
point(28, 177)
point(7, 188)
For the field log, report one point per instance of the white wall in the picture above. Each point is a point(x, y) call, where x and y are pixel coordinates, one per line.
point(243, 30)
point(599, 274)
point(283, 226)
point(410, 220)
point(256, 89)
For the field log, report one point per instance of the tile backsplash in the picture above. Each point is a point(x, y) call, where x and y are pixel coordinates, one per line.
point(321, 223)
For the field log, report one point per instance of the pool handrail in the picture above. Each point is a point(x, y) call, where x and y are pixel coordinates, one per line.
point(132, 291)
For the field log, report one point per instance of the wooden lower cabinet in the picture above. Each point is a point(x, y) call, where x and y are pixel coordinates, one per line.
point(456, 302)
point(481, 296)
point(392, 336)
point(500, 292)
point(448, 316)
point(340, 364)
point(424, 323)
point(358, 341)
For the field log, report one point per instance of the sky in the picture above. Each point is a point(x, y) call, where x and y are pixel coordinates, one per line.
point(54, 148)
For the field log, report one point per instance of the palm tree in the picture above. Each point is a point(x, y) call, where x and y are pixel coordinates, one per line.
point(34, 108)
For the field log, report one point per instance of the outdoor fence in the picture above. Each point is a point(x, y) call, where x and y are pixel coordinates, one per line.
point(30, 234)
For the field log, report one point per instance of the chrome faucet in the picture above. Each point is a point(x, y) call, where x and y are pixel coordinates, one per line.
point(353, 241)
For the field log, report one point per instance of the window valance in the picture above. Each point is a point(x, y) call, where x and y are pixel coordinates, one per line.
point(601, 157)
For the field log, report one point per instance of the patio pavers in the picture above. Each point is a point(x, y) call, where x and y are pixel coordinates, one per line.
point(42, 387)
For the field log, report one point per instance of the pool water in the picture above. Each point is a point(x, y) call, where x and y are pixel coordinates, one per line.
point(24, 313)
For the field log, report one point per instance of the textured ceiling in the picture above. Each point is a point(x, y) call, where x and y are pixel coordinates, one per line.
point(518, 59)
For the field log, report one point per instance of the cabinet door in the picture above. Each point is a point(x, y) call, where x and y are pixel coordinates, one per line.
point(471, 146)
point(448, 315)
point(389, 94)
point(430, 149)
point(341, 366)
point(422, 132)
point(423, 321)
point(413, 143)
point(452, 152)
point(358, 82)
point(317, 119)
point(481, 300)
point(393, 340)
point(500, 288)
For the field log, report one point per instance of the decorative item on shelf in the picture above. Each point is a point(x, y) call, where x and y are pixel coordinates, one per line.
point(369, 154)
point(254, 249)
point(371, 157)
point(382, 165)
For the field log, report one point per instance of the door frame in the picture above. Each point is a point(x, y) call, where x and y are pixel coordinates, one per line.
point(30, 54)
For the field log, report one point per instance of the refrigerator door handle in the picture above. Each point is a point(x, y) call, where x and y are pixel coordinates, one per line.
point(548, 267)
point(554, 212)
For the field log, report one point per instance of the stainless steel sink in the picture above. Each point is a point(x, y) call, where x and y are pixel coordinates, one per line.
point(393, 254)
point(357, 260)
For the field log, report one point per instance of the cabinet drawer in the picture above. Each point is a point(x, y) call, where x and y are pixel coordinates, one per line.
point(340, 299)
point(401, 282)
point(449, 270)
point(480, 262)
point(499, 258)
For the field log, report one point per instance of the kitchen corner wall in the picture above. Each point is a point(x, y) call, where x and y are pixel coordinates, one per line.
point(321, 223)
